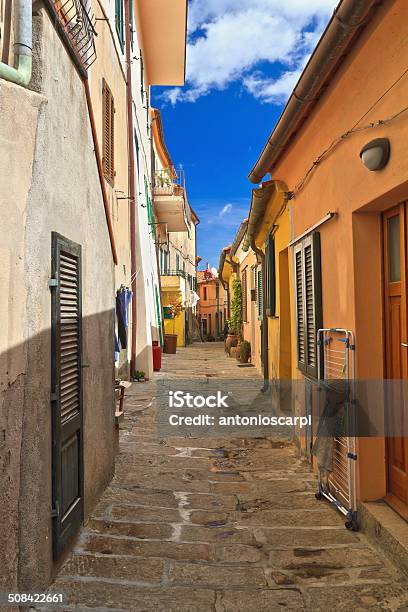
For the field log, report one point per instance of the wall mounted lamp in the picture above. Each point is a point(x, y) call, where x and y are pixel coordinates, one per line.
point(376, 153)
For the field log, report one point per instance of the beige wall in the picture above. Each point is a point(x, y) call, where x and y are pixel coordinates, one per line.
point(46, 139)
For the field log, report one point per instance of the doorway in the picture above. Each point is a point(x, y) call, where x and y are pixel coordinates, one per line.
point(396, 349)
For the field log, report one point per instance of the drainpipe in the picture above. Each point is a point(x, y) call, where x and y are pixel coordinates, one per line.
point(261, 259)
point(132, 191)
point(23, 47)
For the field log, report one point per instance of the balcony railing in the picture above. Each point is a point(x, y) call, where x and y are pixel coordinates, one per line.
point(76, 22)
point(173, 273)
point(167, 182)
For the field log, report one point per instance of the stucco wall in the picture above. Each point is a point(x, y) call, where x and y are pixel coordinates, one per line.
point(47, 137)
point(367, 88)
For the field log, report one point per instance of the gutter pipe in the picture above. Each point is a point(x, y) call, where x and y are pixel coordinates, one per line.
point(348, 19)
point(21, 75)
point(132, 190)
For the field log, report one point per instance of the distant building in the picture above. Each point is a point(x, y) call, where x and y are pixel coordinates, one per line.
point(212, 308)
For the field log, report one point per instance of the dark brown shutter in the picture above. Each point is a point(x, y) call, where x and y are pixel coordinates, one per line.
point(300, 327)
point(307, 267)
point(66, 354)
point(108, 136)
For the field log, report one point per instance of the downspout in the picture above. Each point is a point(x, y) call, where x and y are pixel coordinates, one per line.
point(132, 191)
point(265, 345)
point(21, 75)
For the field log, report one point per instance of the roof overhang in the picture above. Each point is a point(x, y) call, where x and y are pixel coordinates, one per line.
point(171, 210)
point(266, 203)
point(223, 263)
point(162, 25)
point(343, 30)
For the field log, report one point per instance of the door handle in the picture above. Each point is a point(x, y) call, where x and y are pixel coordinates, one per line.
point(404, 344)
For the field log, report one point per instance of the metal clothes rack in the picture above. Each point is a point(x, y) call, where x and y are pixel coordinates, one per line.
point(336, 353)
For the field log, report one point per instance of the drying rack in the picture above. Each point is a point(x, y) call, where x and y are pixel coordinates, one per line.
point(336, 347)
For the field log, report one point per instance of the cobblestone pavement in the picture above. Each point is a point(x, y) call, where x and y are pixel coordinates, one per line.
point(220, 525)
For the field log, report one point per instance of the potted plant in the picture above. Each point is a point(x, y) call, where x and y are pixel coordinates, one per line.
point(244, 351)
point(235, 321)
point(170, 340)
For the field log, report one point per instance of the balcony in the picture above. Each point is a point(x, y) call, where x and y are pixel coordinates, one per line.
point(170, 201)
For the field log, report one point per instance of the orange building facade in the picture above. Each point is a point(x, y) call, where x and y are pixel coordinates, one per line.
point(212, 307)
point(348, 223)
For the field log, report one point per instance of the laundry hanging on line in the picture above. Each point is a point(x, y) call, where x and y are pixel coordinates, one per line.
point(123, 298)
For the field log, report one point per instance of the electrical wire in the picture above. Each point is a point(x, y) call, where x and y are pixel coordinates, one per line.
point(301, 184)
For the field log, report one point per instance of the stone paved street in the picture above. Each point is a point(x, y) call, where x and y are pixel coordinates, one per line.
point(220, 525)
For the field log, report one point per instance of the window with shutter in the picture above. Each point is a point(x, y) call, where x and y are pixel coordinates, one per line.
point(308, 302)
point(259, 292)
point(244, 285)
point(119, 22)
point(108, 136)
point(270, 276)
point(66, 396)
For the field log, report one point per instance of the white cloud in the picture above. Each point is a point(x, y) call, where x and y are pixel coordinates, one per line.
point(229, 38)
point(225, 210)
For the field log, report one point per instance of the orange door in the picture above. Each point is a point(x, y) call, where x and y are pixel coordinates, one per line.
point(395, 287)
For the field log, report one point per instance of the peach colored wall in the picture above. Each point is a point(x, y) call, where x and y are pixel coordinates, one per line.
point(251, 327)
point(351, 243)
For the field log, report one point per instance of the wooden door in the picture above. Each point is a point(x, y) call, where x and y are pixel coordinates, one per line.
point(395, 288)
point(66, 396)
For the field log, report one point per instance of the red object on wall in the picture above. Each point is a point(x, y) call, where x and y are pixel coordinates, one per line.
point(157, 356)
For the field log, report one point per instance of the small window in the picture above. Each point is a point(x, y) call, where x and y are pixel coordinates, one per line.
point(119, 22)
point(108, 137)
point(205, 294)
point(308, 301)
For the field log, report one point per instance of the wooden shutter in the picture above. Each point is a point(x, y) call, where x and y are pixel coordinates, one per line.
point(244, 289)
point(308, 302)
point(270, 277)
point(119, 21)
point(259, 292)
point(66, 396)
point(108, 136)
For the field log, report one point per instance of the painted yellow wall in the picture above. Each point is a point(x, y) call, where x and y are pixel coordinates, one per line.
point(174, 326)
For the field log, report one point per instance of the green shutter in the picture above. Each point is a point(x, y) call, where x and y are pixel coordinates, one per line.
point(270, 277)
point(158, 314)
point(259, 293)
point(141, 75)
point(150, 214)
point(119, 22)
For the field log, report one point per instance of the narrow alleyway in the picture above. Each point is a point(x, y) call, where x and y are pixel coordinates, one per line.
point(220, 525)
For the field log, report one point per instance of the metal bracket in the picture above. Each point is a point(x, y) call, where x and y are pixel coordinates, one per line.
point(352, 456)
point(55, 511)
point(53, 282)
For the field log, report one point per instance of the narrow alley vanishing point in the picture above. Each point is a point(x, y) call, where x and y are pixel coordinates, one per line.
point(224, 525)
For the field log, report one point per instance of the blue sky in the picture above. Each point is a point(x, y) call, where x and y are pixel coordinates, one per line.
point(243, 60)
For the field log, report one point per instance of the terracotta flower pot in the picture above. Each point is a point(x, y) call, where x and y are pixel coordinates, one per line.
point(170, 344)
point(231, 341)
